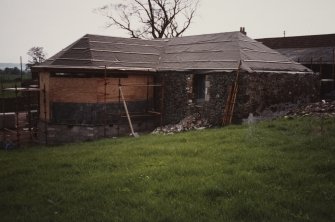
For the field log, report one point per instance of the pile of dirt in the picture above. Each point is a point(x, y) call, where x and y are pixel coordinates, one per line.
point(192, 122)
point(319, 109)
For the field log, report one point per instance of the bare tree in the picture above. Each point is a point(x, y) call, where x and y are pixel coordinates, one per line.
point(37, 55)
point(151, 18)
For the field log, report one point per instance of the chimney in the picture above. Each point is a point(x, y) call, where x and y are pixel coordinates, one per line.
point(242, 30)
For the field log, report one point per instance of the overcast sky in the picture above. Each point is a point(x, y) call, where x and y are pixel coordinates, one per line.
point(54, 24)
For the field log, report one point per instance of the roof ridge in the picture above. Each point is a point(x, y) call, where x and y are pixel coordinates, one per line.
point(207, 34)
point(127, 38)
point(243, 66)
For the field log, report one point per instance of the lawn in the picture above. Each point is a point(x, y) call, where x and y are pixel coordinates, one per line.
point(281, 170)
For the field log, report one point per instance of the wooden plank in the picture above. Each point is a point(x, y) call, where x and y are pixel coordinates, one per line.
point(128, 117)
point(227, 108)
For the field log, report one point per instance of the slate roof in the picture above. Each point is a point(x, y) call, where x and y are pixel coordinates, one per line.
point(201, 53)
point(304, 48)
point(94, 52)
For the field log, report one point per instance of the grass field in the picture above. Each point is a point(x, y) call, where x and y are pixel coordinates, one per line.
point(282, 170)
point(10, 81)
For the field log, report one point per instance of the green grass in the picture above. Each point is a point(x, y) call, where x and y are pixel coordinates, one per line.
point(10, 81)
point(282, 170)
point(11, 77)
point(9, 94)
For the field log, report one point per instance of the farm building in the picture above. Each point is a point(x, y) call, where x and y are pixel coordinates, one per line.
point(316, 52)
point(89, 88)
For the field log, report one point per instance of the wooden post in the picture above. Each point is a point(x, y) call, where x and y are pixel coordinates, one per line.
point(147, 102)
point(45, 115)
point(162, 100)
point(29, 114)
point(3, 115)
point(21, 70)
point(333, 68)
point(17, 117)
point(105, 94)
point(38, 107)
point(1, 82)
point(321, 67)
point(148, 83)
point(119, 106)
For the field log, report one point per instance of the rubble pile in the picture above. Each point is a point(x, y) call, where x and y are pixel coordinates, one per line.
point(188, 123)
point(276, 110)
point(319, 109)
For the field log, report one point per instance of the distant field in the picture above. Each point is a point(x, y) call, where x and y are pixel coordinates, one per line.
point(11, 65)
point(11, 78)
point(10, 81)
point(281, 170)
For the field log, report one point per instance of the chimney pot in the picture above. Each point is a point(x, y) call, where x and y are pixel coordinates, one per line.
point(242, 30)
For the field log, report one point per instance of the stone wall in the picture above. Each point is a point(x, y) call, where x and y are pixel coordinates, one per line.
point(175, 96)
point(265, 89)
point(256, 92)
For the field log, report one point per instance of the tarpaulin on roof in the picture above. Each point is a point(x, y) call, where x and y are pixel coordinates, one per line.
point(222, 52)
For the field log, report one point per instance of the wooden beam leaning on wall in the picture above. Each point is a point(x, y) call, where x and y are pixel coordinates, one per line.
point(231, 99)
point(128, 117)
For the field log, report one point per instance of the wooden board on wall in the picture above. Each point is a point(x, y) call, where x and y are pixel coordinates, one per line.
point(92, 90)
point(131, 93)
point(73, 90)
point(112, 90)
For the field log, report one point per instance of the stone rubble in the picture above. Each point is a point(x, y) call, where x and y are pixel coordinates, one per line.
point(319, 109)
point(288, 110)
point(192, 122)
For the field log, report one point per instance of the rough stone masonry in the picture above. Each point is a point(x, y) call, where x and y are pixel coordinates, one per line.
point(256, 92)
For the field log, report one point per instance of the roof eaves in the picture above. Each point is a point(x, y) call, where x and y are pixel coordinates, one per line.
point(149, 69)
point(285, 72)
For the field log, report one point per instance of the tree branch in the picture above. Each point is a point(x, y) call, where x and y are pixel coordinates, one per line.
point(153, 18)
